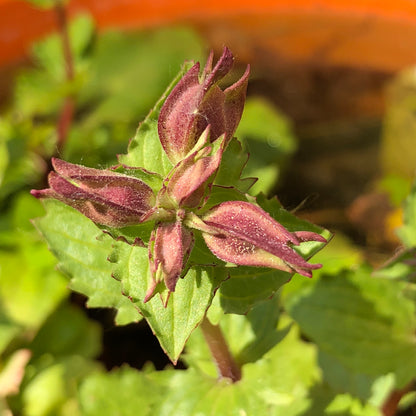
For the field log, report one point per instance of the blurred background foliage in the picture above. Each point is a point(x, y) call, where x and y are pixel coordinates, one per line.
point(49, 344)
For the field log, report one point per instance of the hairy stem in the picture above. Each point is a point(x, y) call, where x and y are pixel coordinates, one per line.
point(225, 362)
point(66, 115)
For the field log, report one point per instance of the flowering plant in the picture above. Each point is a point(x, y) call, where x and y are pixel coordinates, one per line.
point(177, 237)
point(176, 207)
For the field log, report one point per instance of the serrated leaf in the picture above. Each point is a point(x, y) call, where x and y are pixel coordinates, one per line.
point(145, 149)
point(232, 164)
point(248, 286)
point(186, 307)
point(222, 194)
point(367, 324)
point(82, 250)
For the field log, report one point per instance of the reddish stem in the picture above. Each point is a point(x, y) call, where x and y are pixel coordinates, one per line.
point(226, 365)
point(67, 112)
point(390, 407)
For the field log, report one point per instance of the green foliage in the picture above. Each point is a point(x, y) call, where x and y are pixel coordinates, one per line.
point(122, 392)
point(82, 250)
point(186, 307)
point(359, 323)
point(366, 324)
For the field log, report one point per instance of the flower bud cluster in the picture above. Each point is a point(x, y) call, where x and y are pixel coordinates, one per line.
point(196, 122)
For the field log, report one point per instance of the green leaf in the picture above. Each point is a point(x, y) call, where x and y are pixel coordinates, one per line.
point(277, 384)
point(61, 353)
point(30, 288)
point(323, 401)
point(232, 164)
point(186, 307)
point(263, 320)
point(146, 151)
point(82, 250)
point(372, 389)
point(249, 285)
point(53, 390)
point(367, 324)
point(401, 267)
point(124, 392)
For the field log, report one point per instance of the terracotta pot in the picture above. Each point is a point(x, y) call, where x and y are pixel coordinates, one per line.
point(368, 34)
point(318, 59)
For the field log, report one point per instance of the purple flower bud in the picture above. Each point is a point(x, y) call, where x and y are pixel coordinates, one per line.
point(242, 233)
point(192, 176)
point(197, 102)
point(169, 250)
point(104, 196)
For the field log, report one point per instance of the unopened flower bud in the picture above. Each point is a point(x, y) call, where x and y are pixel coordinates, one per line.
point(104, 196)
point(169, 250)
point(242, 233)
point(197, 102)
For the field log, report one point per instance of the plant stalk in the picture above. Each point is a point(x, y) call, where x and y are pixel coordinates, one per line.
point(67, 112)
point(227, 367)
point(391, 406)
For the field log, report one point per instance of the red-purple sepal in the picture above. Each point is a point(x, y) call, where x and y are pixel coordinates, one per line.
point(242, 233)
point(104, 196)
point(196, 102)
point(169, 249)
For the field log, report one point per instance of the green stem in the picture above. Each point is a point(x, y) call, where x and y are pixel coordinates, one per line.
point(220, 352)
